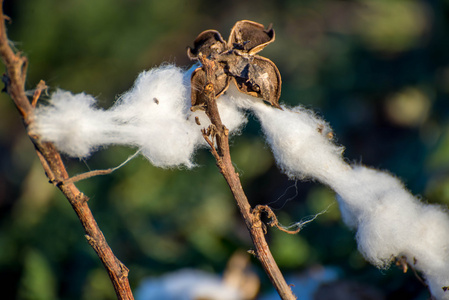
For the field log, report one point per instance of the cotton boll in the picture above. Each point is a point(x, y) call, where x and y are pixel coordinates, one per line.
point(155, 116)
point(232, 115)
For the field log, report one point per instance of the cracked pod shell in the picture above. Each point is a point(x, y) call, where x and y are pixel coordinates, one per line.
point(249, 36)
point(208, 42)
point(259, 78)
point(198, 82)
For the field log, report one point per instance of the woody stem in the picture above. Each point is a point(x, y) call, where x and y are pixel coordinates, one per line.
point(224, 163)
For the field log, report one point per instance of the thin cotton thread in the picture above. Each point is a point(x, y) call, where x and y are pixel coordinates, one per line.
point(285, 192)
point(100, 172)
point(306, 220)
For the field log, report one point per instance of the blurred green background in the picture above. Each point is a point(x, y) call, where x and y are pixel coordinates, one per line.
point(378, 71)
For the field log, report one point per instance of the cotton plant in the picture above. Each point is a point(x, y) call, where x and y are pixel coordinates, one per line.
point(162, 116)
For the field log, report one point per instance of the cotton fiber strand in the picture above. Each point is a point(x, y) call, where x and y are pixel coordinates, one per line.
point(153, 116)
point(299, 140)
point(390, 222)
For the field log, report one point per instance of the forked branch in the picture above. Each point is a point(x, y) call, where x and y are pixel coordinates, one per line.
point(14, 79)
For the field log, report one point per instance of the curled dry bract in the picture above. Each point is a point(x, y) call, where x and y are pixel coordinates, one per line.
point(250, 36)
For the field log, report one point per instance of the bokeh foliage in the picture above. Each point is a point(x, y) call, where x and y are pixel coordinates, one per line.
point(378, 71)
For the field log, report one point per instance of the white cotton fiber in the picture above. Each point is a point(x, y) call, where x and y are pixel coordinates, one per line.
point(153, 116)
point(353, 185)
point(390, 222)
point(186, 284)
point(299, 140)
point(62, 116)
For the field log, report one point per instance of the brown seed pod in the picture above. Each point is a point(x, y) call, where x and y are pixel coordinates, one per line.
point(258, 77)
point(253, 74)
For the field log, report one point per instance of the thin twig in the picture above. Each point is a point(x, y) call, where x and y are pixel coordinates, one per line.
point(402, 263)
point(222, 155)
point(94, 173)
point(14, 79)
point(37, 93)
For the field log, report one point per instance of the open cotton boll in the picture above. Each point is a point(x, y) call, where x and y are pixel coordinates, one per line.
point(154, 116)
point(231, 115)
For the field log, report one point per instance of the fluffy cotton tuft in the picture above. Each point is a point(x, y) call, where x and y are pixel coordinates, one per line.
point(153, 116)
point(300, 141)
point(63, 117)
point(186, 284)
point(390, 222)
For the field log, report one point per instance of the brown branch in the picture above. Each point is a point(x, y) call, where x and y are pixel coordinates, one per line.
point(14, 79)
point(41, 86)
point(222, 155)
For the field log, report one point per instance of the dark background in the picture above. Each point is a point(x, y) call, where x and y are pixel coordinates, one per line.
point(377, 71)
